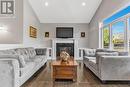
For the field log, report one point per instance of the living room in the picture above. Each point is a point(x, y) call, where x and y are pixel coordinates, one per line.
point(38, 35)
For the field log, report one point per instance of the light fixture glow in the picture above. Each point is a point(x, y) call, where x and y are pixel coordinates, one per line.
point(46, 4)
point(83, 4)
point(3, 29)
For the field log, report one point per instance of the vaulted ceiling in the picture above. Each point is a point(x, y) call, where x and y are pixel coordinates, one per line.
point(65, 11)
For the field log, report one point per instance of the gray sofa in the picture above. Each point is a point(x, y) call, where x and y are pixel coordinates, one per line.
point(18, 65)
point(108, 65)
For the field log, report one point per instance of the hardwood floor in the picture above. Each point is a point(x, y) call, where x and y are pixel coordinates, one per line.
point(85, 79)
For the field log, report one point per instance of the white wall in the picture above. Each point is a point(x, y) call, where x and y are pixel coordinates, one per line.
point(14, 34)
point(78, 28)
point(106, 9)
point(18, 28)
point(30, 19)
point(17, 36)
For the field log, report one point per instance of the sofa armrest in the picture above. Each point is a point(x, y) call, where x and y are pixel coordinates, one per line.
point(41, 51)
point(8, 56)
point(84, 53)
point(9, 72)
point(114, 67)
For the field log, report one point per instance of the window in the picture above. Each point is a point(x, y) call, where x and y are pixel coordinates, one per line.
point(118, 36)
point(106, 37)
point(115, 30)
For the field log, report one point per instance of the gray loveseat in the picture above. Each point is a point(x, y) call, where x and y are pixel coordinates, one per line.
point(18, 65)
point(108, 65)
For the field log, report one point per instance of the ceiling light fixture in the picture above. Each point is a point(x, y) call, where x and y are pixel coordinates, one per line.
point(46, 4)
point(83, 3)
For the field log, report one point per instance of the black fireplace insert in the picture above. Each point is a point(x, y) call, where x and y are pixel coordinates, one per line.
point(62, 46)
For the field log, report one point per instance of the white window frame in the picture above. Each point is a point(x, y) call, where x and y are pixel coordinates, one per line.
point(126, 20)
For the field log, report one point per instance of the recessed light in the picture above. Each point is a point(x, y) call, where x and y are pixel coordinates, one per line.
point(46, 4)
point(83, 3)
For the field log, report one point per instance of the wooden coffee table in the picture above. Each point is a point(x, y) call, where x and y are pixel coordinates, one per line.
point(65, 71)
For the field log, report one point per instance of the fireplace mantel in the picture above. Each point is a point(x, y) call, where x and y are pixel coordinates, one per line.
point(59, 40)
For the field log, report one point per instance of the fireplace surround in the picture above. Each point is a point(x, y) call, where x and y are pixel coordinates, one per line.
point(70, 43)
point(68, 46)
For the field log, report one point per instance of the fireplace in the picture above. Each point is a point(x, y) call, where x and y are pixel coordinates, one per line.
point(71, 44)
point(68, 46)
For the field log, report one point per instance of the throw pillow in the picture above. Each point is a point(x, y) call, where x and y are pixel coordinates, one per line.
point(123, 53)
point(89, 52)
point(40, 51)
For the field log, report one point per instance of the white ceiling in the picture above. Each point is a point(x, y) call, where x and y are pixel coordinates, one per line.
point(65, 11)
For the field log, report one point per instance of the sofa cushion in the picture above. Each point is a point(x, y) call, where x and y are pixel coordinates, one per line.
point(42, 57)
point(20, 59)
point(105, 50)
point(29, 66)
point(123, 53)
point(99, 54)
point(7, 52)
point(38, 59)
point(26, 58)
point(89, 52)
point(23, 52)
point(101, 50)
point(107, 54)
point(12, 51)
point(90, 58)
point(31, 52)
point(17, 57)
point(93, 64)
